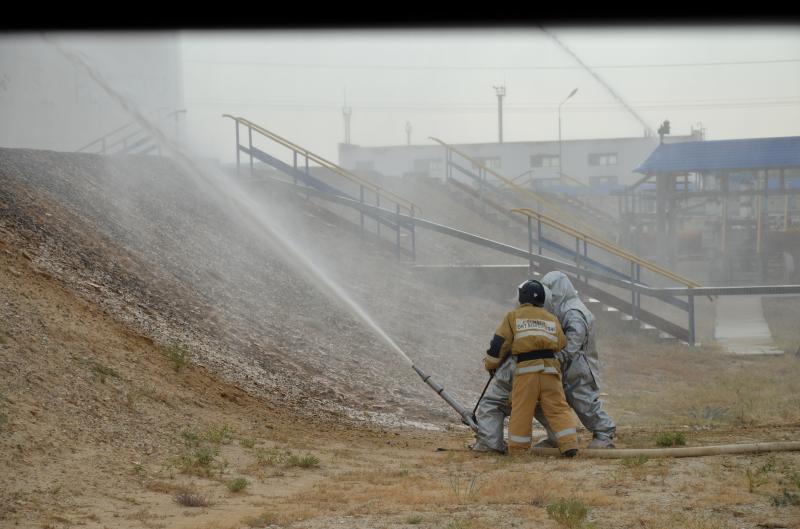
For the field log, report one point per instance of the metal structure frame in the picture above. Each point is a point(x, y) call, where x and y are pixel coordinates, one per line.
point(672, 197)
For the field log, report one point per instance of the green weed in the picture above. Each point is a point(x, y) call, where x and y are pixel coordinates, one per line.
point(190, 438)
point(671, 439)
point(306, 461)
point(221, 435)
point(178, 355)
point(465, 486)
point(101, 372)
point(274, 457)
point(237, 485)
point(414, 520)
point(199, 461)
point(788, 499)
point(569, 513)
point(634, 462)
point(462, 523)
point(754, 479)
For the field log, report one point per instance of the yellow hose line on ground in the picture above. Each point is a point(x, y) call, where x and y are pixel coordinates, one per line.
point(686, 451)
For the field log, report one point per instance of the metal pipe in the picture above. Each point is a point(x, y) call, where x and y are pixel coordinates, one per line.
point(466, 415)
point(413, 238)
point(693, 451)
point(692, 337)
point(238, 145)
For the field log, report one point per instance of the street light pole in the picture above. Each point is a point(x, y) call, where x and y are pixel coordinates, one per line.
point(560, 158)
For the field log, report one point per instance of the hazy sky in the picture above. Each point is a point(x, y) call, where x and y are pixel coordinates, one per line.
point(737, 81)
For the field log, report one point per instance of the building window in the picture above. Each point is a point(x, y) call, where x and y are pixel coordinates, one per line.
point(603, 158)
point(543, 184)
point(491, 162)
point(603, 181)
point(544, 160)
point(428, 165)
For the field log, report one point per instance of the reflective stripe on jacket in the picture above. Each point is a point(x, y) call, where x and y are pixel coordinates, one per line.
point(526, 328)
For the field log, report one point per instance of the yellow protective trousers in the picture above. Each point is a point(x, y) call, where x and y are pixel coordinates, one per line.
point(537, 384)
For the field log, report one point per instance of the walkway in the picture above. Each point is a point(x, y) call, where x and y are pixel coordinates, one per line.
point(740, 326)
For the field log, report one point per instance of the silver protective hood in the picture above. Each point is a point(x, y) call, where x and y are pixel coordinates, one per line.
point(563, 297)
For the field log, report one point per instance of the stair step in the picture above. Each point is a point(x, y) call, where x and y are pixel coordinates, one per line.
point(627, 317)
point(610, 309)
point(647, 327)
point(665, 336)
point(592, 300)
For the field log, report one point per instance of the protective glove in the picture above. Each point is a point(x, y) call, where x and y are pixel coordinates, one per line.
point(561, 357)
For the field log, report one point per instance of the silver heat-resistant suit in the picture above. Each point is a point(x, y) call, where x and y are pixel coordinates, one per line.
point(579, 366)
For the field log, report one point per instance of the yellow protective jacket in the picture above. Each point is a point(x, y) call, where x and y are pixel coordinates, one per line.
point(527, 329)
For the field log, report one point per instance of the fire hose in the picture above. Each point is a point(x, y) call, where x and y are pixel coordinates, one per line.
point(469, 419)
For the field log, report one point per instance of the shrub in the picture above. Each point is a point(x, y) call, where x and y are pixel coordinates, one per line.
point(247, 442)
point(237, 485)
point(414, 520)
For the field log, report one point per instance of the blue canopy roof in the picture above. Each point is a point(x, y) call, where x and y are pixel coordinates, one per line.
point(696, 156)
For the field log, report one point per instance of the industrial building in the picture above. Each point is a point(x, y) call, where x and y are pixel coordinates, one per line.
point(602, 164)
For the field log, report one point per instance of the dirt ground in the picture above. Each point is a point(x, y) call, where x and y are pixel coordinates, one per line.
point(100, 429)
point(101, 425)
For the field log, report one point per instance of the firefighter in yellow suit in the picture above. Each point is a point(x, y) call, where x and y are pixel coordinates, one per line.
point(532, 336)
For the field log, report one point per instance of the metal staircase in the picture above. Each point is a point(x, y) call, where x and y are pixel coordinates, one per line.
point(130, 138)
point(348, 189)
point(591, 276)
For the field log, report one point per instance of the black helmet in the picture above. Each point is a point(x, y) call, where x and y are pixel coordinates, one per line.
point(531, 291)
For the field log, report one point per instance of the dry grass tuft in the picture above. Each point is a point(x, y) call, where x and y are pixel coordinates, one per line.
point(191, 499)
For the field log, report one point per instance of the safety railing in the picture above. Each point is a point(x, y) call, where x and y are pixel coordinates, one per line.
point(599, 243)
point(135, 138)
point(308, 156)
point(302, 173)
point(633, 280)
point(543, 203)
point(109, 142)
point(582, 232)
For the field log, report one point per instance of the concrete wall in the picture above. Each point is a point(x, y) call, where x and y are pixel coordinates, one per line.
point(47, 103)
